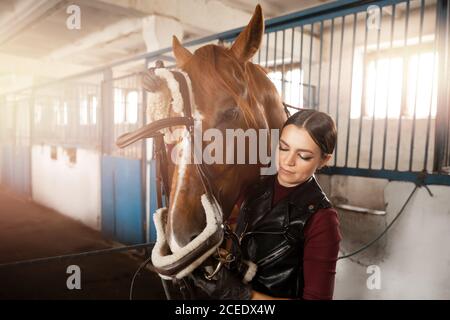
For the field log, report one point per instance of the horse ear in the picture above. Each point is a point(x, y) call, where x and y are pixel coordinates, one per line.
point(249, 40)
point(182, 55)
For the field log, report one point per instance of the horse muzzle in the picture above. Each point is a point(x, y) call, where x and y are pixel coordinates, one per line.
point(180, 263)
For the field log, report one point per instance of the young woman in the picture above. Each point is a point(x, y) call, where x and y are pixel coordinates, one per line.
point(286, 224)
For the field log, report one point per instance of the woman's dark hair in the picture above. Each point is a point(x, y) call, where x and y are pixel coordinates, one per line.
point(319, 125)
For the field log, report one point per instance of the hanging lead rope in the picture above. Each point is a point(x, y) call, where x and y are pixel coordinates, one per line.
point(420, 183)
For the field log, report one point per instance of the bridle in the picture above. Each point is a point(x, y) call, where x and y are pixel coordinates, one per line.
point(152, 130)
point(185, 263)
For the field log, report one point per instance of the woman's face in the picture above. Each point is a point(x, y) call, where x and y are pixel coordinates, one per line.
point(298, 156)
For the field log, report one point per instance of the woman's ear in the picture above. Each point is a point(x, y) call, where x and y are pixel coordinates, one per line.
point(324, 161)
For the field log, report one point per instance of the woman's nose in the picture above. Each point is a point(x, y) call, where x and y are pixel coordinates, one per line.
point(290, 159)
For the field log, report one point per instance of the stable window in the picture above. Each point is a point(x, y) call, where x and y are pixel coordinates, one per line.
point(62, 113)
point(88, 110)
point(398, 82)
point(293, 87)
point(125, 106)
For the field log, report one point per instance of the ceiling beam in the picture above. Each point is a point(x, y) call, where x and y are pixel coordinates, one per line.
point(270, 9)
point(21, 68)
point(196, 18)
point(112, 8)
point(117, 30)
point(20, 65)
point(25, 14)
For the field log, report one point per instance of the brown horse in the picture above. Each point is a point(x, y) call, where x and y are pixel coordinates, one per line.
point(230, 92)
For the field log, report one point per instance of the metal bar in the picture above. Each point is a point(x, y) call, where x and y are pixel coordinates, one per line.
point(358, 209)
point(75, 255)
point(330, 64)
point(267, 49)
point(30, 142)
point(301, 69)
point(351, 88)
point(283, 86)
point(419, 59)
point(391, 175)
point(383, 161)
point(375, 95)
point(339, 86)
point(404, 86)
point(363, 95)
point(447, 81)
point(275, 54)
point(144, 183)
point(292, 64)
point(324, 12)
point(311, 104)
point(442, 108)
point(124, 77)
point(107, 118)
point(320, 64)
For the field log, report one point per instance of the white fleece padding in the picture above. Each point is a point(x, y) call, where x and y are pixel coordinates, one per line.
point(174, 87)
point(251, 271)
point(163, 104)
point(161, 253)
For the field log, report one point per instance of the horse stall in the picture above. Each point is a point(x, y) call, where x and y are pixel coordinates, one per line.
point(123, 208)
point(64, 150)
point(15, 154)
point(379, 68)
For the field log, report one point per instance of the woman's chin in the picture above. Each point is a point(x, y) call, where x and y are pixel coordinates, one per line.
point(287, 179)
point(290, 180)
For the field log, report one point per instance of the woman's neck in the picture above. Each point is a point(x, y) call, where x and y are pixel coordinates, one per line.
point(287, 185)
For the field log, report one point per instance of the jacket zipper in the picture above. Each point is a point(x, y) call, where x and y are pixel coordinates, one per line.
point(243, 234)
point(272, 256)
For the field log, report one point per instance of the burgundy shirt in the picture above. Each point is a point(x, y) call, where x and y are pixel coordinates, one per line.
point(321, 248)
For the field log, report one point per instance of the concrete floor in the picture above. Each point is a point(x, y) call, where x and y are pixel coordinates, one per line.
point(28, 231)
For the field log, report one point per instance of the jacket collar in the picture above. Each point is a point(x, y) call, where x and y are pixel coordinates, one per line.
point(307, 194)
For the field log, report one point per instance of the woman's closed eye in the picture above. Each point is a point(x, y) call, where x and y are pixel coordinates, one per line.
point(303, 157)
point(306, 158)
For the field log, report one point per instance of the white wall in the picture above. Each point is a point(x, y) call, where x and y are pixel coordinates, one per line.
point(71, 189)
point(413, 257)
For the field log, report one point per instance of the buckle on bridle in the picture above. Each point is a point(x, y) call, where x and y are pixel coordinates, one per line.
point(223, 257)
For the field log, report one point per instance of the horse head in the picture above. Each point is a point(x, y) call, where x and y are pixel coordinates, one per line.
point(229, 92)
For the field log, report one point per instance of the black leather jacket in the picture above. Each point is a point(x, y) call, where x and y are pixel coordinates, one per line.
point(273, 237)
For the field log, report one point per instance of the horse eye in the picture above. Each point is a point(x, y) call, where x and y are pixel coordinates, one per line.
point(230, 114)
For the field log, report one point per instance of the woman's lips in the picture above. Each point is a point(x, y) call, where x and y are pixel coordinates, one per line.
point(285, 171)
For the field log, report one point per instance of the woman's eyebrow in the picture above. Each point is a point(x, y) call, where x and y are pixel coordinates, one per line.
point(303, 150)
